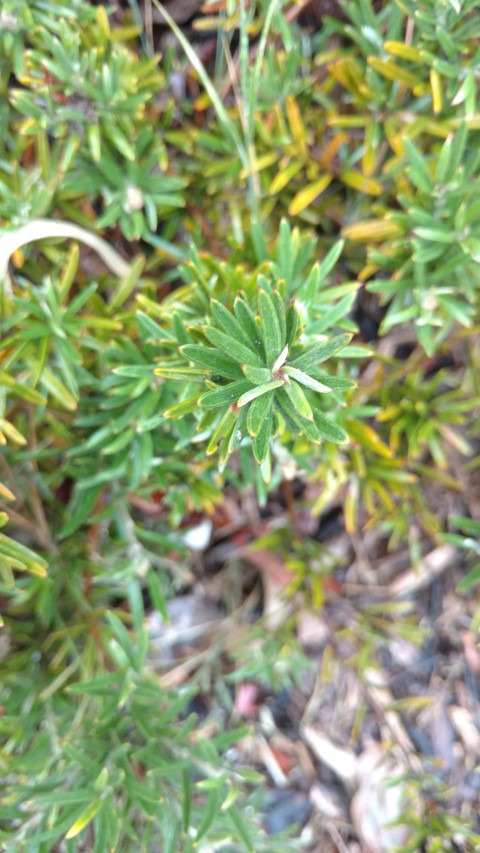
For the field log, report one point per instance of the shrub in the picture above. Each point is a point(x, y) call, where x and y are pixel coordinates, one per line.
point(214, 352)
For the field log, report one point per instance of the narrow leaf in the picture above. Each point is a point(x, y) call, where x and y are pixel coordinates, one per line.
point(336, 383)
point(84, 819)
point(320, 352)
point(293, 324)
point(279, 306)
point(270, 327)
point(246, 318)
point(307, 427)
point(299, 400)
point(308, 194)
point(261, 442)
point(212, 360)
point(257, 375)
point(232, 348)
point(330, 430)
point(258, 391)
point(229, 324)
point(225, 395)
point(258, 411)
point(306, 380)
point(183, 408)
point(223, 428)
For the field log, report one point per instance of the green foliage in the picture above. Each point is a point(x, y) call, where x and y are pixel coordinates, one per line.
point(256, 367)
point(256, 214)
point(468, 539)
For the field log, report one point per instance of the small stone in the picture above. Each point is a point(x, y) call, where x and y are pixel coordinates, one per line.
point(286, 808)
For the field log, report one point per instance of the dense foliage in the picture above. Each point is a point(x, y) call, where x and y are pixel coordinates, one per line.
point(310, 172)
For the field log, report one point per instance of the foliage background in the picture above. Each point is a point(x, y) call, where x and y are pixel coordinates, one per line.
point(328, 163)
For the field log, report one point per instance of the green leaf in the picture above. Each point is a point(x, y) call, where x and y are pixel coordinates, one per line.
point(186, 799)
point(330, 259)
point(436, 235)
point(261, 441)
point(225, 395)
point(246, 318)
point(22, 391)
point(320, 352)
point(231, 348)
point(210, 810)
point(259, 391)
point(183, 408)
point(279, 306)
point(57, 390)
point(157, 595)
point(229, 324)
point(222, 430)
point(129, 283)
point(212, 360)
point(238, 432)
point(293, 324)
point(299, 400)
point(307, 427)
point(222, 114)
point(329, 430)
point(336, 383)
point(101, 686)
point(472, 578)
point(306, 380)
point(270, 328)
point(22, 557)
point(79, 509)
point(467, 525)
point(257, 375)
point(84, 818)
point(258, 412)
point(418, 171)
point(241, 828)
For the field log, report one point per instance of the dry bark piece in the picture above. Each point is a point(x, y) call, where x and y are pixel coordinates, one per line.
point(191, 618)
point(339, 760)
point(432, 566)
point(377, 803)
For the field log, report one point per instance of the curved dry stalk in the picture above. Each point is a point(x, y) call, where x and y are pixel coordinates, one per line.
point(44, 229)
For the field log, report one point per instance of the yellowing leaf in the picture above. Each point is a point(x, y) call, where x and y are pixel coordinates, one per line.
point(371, 230)
point(404, 51)
point(57, 390)
point(351, 506)
point(361, 182)
point(18, 258)
point(84, 819)
point(11, 432)
point(103, 22)
point(350, 74)
point(370, 152)
point(348, 121)
point(284, 176)
point(367, 437)
point(306, 196)
point(5, 493)
point(393, 72)
point(437, 97)
point(296, 124)
point(258, 165)
point(331, 150)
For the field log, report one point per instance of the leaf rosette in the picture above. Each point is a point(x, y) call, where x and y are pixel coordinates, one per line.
point(259, 377)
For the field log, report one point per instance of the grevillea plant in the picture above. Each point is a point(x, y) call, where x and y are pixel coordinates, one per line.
point(211, 347)
point(257, 378)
